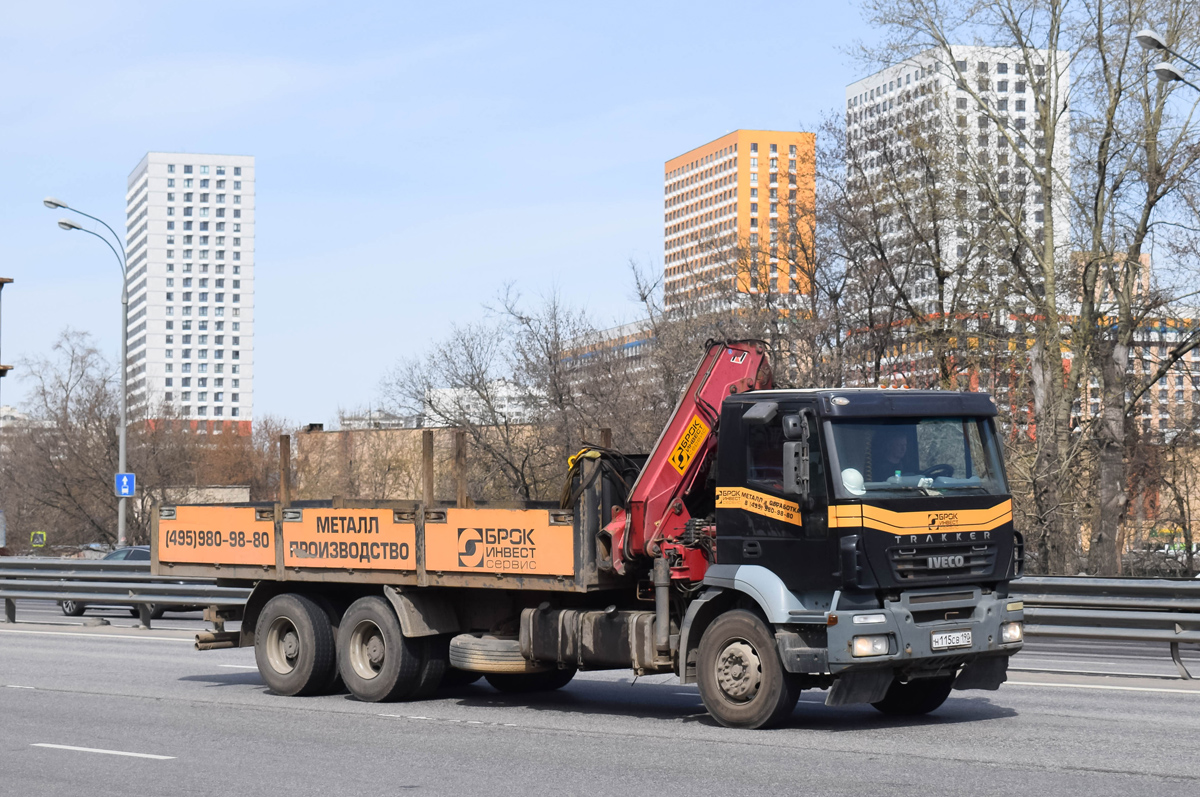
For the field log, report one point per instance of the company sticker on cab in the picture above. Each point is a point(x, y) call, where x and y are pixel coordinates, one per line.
point(689, 444)
point(759, 504)
point(517, 541)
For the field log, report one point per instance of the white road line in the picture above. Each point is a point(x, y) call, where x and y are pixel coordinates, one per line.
point(105, 752)
point(1112, 688)
point(96, 636)
point(14, 686)
point(240, 666)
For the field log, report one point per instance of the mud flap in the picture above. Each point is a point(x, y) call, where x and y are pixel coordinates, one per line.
point(863, 686)
point(986, 672)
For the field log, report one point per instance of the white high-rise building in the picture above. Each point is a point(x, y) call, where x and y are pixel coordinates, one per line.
point(190, 252)
point(979, 107)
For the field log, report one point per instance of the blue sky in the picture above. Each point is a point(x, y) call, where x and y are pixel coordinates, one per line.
point(412, 158)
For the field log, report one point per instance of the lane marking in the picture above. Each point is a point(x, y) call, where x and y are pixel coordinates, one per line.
point(14, 686)
point(96, 636)
point(240, 666)
point(1112, 688)
point(105, 752)
point(1096, 672)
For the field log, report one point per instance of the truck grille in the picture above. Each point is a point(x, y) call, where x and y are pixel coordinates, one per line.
point(942, 562)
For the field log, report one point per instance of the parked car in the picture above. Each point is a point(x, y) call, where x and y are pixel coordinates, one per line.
point(131, 553)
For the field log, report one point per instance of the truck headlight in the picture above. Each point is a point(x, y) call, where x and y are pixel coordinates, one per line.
point(870, 646)
point(1011, 632)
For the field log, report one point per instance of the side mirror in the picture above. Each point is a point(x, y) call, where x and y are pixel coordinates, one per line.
point(796, 456)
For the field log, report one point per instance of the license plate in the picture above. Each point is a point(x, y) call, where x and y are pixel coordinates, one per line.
point(951, 639)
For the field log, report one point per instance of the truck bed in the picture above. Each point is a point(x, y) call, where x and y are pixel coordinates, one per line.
point(534, 545)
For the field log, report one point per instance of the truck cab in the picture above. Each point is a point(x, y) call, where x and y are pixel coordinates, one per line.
point(873, 530)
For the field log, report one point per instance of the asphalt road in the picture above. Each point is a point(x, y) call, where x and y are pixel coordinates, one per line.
point(211, 728)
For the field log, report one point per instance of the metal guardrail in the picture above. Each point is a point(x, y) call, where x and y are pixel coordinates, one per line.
point(1126, 609)
point(1073, 607)
point(95, 582)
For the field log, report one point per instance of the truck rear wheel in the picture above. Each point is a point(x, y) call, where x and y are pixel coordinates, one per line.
point(915, 697)
point(293, 645)
point(434, 664)
point(377, 662)
point(517, 683)
point(742, 681)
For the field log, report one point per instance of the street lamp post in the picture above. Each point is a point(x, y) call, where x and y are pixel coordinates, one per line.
point(67, 224)
point(1165, 70)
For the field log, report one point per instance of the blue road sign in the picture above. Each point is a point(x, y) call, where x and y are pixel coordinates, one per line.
point(126, 485)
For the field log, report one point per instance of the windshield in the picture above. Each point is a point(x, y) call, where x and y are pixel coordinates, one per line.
point(903, 457)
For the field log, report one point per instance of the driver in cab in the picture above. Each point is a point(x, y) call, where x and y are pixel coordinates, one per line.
point(891, 456)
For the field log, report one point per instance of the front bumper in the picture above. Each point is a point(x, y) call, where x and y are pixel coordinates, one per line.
point(909, 625)
point(911, 622)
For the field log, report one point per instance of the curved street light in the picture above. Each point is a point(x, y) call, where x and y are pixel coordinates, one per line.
point(69, 225)
point(1165, 71)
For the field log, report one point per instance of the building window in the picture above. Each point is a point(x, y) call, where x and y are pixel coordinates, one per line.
point(220, 170)
point(187, 169)
point(170, 168)
point(204, 170)
point(237, 171)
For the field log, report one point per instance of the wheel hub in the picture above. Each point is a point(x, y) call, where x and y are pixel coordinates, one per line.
point(367, 650)
point(375, 651)
point(739, 671)
point(283, 645)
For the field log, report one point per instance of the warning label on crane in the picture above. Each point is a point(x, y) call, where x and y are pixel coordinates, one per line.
point(689, 444)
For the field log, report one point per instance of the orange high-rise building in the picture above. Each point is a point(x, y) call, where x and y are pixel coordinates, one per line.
point(739, 215)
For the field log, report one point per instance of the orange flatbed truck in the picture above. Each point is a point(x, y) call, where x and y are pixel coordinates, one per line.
point(854, 540)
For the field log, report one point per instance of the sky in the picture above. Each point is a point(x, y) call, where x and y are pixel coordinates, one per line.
point(412, 159)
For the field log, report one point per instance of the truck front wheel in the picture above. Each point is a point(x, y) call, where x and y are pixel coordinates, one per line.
point(915, 697)
point(293, 645)
point(377, 662)
point(742, 681)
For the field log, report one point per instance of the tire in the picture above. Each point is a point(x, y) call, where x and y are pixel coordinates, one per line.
point(742, 681)
point(72, 608)
point(294, 645)
point(915, 697)
point(334, 612)
point(156, 611)
point(377, 662)
point(434, 665)
point(521, 683)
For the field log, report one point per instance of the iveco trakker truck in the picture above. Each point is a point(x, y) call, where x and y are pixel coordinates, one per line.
point(859, 541)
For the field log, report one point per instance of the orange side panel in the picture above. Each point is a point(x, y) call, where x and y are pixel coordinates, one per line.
point(357, 539)
point(216, 535)
point(518, 541)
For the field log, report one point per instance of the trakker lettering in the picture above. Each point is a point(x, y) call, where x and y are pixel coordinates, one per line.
point(952, 536)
